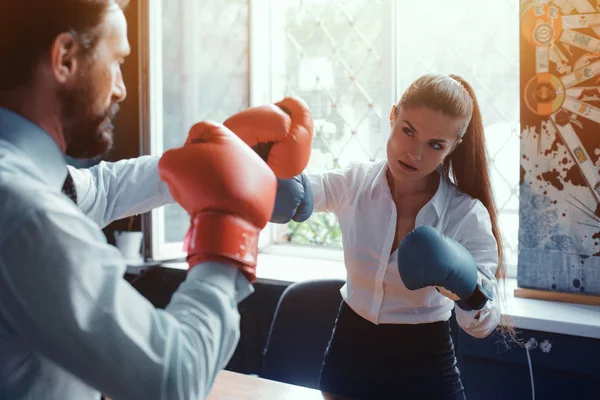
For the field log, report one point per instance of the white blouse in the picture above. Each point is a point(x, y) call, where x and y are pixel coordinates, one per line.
point(360, 197)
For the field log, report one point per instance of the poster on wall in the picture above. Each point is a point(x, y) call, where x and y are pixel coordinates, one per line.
point(559, 228)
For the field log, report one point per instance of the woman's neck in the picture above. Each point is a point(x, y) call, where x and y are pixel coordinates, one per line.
point(400, 189)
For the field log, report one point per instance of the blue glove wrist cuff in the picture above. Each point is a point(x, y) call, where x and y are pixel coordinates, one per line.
point(482, 294)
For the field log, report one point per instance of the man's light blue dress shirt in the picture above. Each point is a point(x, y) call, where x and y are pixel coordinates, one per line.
point(70, 326)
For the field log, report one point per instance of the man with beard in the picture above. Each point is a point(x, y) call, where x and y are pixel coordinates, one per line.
point(70, 326)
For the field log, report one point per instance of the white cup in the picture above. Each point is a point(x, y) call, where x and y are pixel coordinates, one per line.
point(129, 243)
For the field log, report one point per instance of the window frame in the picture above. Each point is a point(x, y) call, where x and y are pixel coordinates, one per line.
point(260, 67)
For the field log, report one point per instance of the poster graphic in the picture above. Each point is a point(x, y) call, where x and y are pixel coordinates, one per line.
point(559, 228)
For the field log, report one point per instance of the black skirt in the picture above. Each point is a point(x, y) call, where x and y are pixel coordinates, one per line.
point(390, 361)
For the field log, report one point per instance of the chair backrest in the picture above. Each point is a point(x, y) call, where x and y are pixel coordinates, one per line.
point(300, 331)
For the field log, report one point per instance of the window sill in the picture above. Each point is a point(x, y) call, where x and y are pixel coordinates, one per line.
point(287, 269)
point(552, 316)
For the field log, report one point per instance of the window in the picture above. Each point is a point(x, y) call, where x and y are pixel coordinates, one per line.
point(333, 55)
point(198, 64)
point(350, 60)
point(480, 41)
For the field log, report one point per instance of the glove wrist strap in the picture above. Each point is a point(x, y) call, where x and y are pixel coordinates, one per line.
point(478, 299)
point(475, 302)
point(215, 235)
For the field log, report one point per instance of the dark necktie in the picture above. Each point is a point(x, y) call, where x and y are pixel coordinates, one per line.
point(69, 188)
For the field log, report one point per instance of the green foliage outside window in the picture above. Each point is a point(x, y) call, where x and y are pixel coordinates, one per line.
point(321, 229)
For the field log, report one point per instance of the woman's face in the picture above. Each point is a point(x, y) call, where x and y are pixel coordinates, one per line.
point(421, 139)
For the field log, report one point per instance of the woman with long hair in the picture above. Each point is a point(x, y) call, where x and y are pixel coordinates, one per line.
point(390, 341)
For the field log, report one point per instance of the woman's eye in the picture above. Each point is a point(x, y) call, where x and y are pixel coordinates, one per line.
point(437, 146)
point(408, 131)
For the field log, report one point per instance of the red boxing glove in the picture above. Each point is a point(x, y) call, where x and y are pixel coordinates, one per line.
point(228, 191)
point(280, 133)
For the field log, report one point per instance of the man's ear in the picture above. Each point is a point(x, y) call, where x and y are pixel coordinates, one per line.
point(63, 56)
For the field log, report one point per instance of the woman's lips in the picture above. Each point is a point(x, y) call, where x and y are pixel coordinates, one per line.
point(407, 167)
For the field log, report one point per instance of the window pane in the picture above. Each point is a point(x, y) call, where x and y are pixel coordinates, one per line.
point(479, 41)
point(205, 74)
point(329, 53)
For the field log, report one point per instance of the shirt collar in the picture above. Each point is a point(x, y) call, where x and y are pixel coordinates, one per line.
point(438, 201)
point(439, 198)
point(35, 143)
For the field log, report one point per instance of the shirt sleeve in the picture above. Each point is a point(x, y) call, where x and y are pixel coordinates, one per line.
point(333, 190)
point(113, 190)
point(62, 293)
point(477, 237)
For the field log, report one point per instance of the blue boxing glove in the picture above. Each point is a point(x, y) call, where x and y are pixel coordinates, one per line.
point(293, 201)
point(427, 257)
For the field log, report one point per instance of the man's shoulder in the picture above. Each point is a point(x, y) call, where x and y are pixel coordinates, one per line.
point(23, 196)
